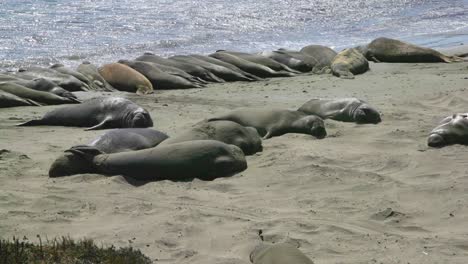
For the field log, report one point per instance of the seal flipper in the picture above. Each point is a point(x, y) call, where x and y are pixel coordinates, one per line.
point(101, 125)
point(34, 122)
point(85, 151)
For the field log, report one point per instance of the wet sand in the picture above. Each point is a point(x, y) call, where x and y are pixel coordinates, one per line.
point(329, 196)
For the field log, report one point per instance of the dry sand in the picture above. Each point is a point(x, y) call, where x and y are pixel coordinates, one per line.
point(325, 195)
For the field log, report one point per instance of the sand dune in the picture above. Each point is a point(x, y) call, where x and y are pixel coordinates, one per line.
point(330, 196)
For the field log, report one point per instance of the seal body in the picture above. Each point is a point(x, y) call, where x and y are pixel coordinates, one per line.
point(203, 159)
point(11, 100)
point(282, 253)
point(67, 82)
point(348, 63)
point(343, 109)
point(97, 113)
point(37, 96)
point(128, 139)
point(272, 122)
point(392, 50)
point(288, 60)
point(62, 69)
point(91, 72)
point(124, 78)
point(451, 130)
point(322, 54)
point(246, 138)
point(262, 60)
point(226, 65)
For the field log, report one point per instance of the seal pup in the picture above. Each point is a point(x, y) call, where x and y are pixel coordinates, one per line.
point(262, 60)
point(202, 159)
point(392, 50)
point(124, 78)
point(91, 71)
point(37, 96)
point(288, 60)
point(343, 109)
point(250, 67)
point(246, 138)
point(192, 69)
point(281, 253)
point(97, 113)
point(451, 130)
point(273, 122)
point(348, 63)
point(11, 100)
point(158, 78)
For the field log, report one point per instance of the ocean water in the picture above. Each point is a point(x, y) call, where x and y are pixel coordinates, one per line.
point(43, 32)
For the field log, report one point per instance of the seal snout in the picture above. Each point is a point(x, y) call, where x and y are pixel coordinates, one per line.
point(142, 120)
point(436, 141)
point(319, 132)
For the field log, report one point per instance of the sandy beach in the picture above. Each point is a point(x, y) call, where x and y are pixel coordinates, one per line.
point(329, 196)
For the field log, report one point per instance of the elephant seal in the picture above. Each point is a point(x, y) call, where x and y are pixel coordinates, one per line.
point(348, 63)
point(67, 82)
point(250, 67)
point(37, 96)
point(202, 159)
point(124, 78)
point(451, 130)
point(392, 50)
point(262, 60)
point(62, 69)
point(39, 84)
point(191, 69)
point(322, 54)
point(273, 122)
point(313, 62)
point(343, 109)
point(220, 71)
point(282, 253)
point(226, 65)
point(158, 78)
point(91, 72)
point(97, 113)
point(11, 100)
point(246, 138)
point(288, 60)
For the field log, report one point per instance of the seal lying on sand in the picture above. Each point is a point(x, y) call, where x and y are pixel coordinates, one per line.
point(348, 63)
point(322, 54)
point(37, 96)
point(40, 84)
point(288, 60)
point(67, 82)
point(282, 253)
point(124, 78)
point(272, 122)
point(246, 138)
point(262, 60)
point(91, 72)
point(158, 78)
point(392, 50)
point(62, 69)
point(343, 109)
point(451, 130)
point(226, 65)
point(97, 113)
point(11, 100)
point(203, 159)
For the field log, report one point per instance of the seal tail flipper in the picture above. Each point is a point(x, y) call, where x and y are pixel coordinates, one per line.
point(34, 122)
point(32, 102)
point(85, 151)
point(101, 125)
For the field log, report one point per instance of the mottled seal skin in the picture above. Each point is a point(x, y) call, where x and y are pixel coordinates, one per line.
point(191, 69)
point(282, 253)
point(250, 67)
point(220, 71)
point(158, 78)
point(97, 113)
point(262, 60)
point(37, 96)
point(342, 109)
point(91, 72)
point(288, 60)
point(246, 138)
point(202, 159)
point(11, 100)
point(226, 65)
point(392, 50)
point(67, 82)
point(348, 63)
point(273, 122)
point(451, 130)
point(124, 78)
point(322, 54)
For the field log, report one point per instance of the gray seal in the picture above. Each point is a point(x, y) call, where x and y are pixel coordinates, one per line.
point(451, 130)
point(67, 82)
point(189, 68)
point(343, 109)
point(91, 72)
point(11, 100)
point(288, 60)
point(262, 60)
point(392, 50)
point(348, 63)
point(202, 159)
point(273, 122)
point(322, 54)
point(246, 138)
point(37, 96)
point(38, 84)
point(226, 65)
point(97, 113)
point(158, 78)
point(281, 253)
point(250, 67)
point(84, 79)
